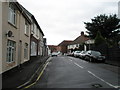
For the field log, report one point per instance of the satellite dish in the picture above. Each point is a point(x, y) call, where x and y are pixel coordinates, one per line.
point(10, 33)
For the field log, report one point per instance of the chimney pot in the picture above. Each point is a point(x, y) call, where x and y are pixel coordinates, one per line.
point(82, 33)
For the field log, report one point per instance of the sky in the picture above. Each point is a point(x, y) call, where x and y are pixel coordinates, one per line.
point(64, 19)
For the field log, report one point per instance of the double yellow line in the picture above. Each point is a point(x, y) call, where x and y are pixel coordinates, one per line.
point(28, 86)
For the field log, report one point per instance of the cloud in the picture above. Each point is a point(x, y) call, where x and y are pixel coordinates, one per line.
point(63, 19)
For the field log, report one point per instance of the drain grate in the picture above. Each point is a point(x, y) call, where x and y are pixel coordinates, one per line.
point(97, 85)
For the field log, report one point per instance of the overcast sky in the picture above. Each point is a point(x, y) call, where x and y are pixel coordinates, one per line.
point(64, 19)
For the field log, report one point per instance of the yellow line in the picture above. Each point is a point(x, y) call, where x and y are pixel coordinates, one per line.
point(30, 85)
point(38, 77)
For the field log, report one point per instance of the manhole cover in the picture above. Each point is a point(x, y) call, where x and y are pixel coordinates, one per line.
point(97, 85)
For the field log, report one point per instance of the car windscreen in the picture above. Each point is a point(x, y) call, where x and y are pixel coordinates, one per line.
point(83, 52)
point(77, 51)
point(95, 53)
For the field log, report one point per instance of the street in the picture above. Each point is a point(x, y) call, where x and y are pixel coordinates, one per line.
point(70, 72)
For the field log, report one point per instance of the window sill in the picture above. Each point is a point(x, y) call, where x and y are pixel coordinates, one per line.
point(32, 31)
point(37, 36)
point(12, 25)
point(26, 35)
point(10, 62)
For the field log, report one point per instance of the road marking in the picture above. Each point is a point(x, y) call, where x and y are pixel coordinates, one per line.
point(30, 85)
point(84, 61)
point(42, 71)
point(38, 76)
point(29, 79)
point(78, 65)
point(70, 60)
point(103, 80)
point(34, 75)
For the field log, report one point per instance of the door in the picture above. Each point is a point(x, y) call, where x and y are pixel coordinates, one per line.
point(19, 53)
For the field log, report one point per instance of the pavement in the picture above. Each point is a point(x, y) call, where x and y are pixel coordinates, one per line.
point(113, 62)
point(21, 76)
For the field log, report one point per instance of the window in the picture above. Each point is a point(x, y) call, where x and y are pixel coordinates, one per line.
point(12, 14)
point(26, 28)
point(26, 51)
point(35, 27)
point(32, 28)
point(10, 51)
point(37, 32)
point(33, 48)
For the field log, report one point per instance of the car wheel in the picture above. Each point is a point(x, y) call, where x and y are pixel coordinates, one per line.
point(90, 59)
point(85, 58)
point(103, 61)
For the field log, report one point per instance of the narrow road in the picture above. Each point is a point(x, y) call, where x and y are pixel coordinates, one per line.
point(70, 72)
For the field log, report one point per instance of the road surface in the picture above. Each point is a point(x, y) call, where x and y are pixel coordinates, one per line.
point(70, 72)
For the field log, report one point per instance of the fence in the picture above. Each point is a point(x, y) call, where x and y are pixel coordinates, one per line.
point(112, 54)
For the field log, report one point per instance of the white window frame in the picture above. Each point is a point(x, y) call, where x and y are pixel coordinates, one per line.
point(35, 27)
point(12, 15)
point(11, 45)
point(26, 28)
point(37, 33)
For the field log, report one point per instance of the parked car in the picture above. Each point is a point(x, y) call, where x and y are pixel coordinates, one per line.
point(82, 54)
point(94, 56)
point(71, 54)
point(54, 54)
point(77, 53)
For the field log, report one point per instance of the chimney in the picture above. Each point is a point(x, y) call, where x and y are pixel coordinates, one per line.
point(82, 33)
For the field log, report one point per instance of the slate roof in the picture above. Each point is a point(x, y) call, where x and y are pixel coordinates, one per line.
point(32, 16)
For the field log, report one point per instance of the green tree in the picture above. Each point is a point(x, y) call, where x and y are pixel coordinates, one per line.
point(99, 39)
point(108, 27)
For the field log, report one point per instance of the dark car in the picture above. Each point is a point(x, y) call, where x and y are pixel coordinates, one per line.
point(94, 56)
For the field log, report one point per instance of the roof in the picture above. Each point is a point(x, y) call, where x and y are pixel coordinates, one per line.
point(52, 46)
point(65, 43)
point(32, 16)
point(80, 39)
point(37, 25)
point(21, 10)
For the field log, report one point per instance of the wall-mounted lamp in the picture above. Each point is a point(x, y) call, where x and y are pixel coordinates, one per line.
point(9, 34)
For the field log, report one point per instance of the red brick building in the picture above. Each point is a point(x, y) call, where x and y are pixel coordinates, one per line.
point(53, 48)
point(63, 46)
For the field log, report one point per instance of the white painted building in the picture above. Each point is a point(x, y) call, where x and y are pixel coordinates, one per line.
point(14, 36)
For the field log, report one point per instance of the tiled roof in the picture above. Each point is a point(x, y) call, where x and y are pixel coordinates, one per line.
point(80, 39)
point(65, 43)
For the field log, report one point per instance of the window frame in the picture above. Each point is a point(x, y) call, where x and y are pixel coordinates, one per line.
point(12, 16)
point(11, 49)
point(26, 31)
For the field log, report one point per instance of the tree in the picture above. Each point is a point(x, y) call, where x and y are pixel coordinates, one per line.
point(108, 27)
point(99, 39)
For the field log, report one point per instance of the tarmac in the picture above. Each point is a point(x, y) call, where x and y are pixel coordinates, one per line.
point(27, 73)
point(21, 76)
